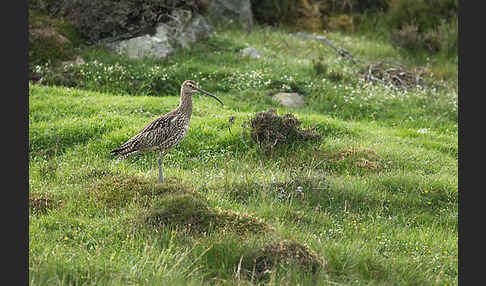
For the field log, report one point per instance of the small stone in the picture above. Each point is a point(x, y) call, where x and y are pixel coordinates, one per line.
point(251, 53)
point(289, 99)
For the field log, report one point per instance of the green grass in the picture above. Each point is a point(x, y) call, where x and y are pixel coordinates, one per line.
point(375, 197)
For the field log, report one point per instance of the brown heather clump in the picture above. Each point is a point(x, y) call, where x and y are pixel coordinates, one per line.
point(341, 22)
point(270, 129)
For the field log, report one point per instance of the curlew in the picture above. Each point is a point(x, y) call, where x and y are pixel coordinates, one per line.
point(165, 131)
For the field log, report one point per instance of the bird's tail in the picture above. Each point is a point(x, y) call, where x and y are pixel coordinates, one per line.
point(123, 152)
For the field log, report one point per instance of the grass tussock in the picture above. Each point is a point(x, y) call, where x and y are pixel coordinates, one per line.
point(270, 129)
point(41, 203)
point(265, 260)
point(356, 159)
point(295, 187)
point(188, 213)
point(118, 190)
point(241, 223)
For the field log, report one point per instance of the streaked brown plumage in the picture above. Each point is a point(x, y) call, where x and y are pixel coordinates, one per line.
point(165, 131)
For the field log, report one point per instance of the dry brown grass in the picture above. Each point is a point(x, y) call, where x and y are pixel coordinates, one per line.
point(393, 74)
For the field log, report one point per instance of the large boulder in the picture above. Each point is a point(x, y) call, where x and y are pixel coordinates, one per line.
point(185, 29)
point(233, 11)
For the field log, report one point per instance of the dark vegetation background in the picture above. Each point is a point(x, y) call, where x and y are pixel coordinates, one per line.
point(420, 26)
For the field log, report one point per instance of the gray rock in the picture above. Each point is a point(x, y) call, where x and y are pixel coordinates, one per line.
point(157, 46)
point(198, 28)
point(251, 53)
point(185, 29)
point(289, 99)
point(233, 11)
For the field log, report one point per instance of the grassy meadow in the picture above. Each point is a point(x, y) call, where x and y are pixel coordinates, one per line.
point(373, 201)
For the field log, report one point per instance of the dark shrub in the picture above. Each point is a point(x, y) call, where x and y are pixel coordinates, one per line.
point(422, 24)
point(425, 14)
point(297, 11)
point(50, 39)
point(444, 37)
point(302, 14)
point(123, 18)
point(114, 18)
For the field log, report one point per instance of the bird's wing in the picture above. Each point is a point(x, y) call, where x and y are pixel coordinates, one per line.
point(154, 132)
point(163, 122)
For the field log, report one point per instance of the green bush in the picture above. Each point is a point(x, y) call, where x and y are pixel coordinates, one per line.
point(46, 47)
point(50, 7)
point(371, 5)
point(353, 6)
point(442, 38)
point(269, 12)
point(302, 14)
point(428, 25)
point(307, 13)
point(425, 14)
point(449, 32)
point(50, 39)
point(274, 12)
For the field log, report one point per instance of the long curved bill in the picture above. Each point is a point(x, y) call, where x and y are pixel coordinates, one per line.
point(207, 93)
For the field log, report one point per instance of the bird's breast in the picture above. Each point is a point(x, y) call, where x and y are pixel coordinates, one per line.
point(182, 126)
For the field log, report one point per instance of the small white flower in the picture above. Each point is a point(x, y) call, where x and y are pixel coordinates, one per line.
point(423, 130)
point(299, 190)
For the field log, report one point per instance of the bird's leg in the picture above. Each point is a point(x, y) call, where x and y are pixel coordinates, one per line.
point(161, 179)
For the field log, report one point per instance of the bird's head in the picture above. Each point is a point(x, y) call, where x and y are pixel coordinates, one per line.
point(189, 87)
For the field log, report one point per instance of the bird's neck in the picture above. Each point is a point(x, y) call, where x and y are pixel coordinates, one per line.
point(185, 106)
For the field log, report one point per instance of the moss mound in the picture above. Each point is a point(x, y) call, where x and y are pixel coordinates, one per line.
point(356, 159)
point(189, 213)
point(283, 253)
point(117, 190)
point(240, 223)
point(270, 129)
point(170, 204)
